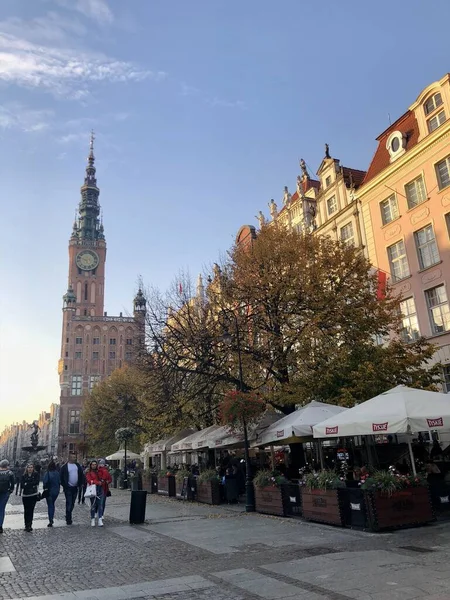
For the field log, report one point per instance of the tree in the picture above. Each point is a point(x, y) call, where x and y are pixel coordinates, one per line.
point(306, 313)
point(105, 412)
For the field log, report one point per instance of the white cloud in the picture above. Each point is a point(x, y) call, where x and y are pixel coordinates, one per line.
point(62, 72)
point(92, 9)
point(17, 116)
point(52, 28)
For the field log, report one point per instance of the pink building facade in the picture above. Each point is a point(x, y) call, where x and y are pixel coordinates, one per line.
point(405, 205)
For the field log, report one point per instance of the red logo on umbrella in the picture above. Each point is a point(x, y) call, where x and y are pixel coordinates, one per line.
point(379, 426)
point(331, 430)
point(436, 422)
point(280, 433)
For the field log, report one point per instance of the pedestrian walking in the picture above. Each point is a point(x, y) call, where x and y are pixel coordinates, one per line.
point(107, 479)
point(52, 482)
point(82, 489)
point(71, 475)
point(30, 491)
point(6, 488)
point(101, 478)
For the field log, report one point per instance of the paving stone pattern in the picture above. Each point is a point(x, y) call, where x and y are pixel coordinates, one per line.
point(189, 551)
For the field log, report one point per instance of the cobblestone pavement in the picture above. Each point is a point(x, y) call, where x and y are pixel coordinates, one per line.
point(190, 551)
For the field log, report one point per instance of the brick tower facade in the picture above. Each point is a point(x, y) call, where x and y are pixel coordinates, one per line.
point(93, 344)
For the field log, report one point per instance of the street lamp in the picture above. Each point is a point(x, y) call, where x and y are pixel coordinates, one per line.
point(124, 399)
point(227, 339)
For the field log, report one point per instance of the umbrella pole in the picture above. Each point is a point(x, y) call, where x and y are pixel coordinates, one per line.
point(320, 453)
point(411, 456)
point(272, 457)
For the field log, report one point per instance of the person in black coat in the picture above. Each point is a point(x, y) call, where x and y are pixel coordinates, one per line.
point(30, 494)
point(72, 478)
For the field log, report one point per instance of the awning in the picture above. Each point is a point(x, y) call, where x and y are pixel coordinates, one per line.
point(166, 443)
point(297, 427)
point(193, 442)
point(223, 437)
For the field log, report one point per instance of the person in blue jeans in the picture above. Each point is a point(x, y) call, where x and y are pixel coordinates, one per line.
point(52, 483)
point(72, 478)
point(7, 480)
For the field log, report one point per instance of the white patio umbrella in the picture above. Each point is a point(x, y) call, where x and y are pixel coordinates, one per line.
point(120, 455)
point(399, 410)
point(298, 424)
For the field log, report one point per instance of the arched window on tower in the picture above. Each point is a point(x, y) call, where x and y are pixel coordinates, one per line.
point(85, 291)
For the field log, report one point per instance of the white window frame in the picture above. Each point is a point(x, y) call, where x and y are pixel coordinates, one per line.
point(436, 121)
point(76, 386)
point(392, 205)
point(398, 261)
point(410, 330)
point(446, 378)
point(435, 103)
point(438, 306)
point(428, 250)
point(334, 206)
point(417, 186)
point(446, 163)
point(350, 239)
point(93, 380)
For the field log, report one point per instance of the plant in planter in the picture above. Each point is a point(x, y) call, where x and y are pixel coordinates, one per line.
point(208, 487)
point(272, 495)
point(320, 498)
point(395, 500)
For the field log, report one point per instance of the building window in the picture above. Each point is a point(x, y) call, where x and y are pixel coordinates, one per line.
point(447, 222)
point(438, 309)
point(93, 380)
point(95, 356)
point(67, 340)
point(74, 421)
point(112, 341)
point(67, 355)
point(446, 378)
point(436, 121)
point(78, 340)
point(427, 249)
point(332, 205)
point(72, 447)
point(389, 210)
point(443, 172)
point(85, 291)
point(432, 103)
point(328, 181)
point(415, 192)
point(398, 261)
point(112, 355)
point(76, 385)
point(129, 341)
point(410, 326)
point(96, 341)
point(65, 367)
point(347, 234)
point(77, 354)
point(128, 355)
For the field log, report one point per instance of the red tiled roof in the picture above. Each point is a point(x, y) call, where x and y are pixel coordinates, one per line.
point(408, 125)
point(357, 176)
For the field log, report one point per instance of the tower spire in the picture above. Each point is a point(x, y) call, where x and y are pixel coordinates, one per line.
point(89, 226)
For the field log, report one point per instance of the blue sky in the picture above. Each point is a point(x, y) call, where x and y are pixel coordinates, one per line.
point(201, 111)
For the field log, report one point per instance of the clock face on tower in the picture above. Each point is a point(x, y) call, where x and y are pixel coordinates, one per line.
point(87, 260)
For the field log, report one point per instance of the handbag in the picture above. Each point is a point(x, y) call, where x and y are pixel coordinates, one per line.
point(44, 494)
point(91, 491)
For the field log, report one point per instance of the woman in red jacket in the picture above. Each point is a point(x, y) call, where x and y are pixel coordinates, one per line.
point(101, 478)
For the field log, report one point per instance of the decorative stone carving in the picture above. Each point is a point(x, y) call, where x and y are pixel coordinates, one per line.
point(261, 219)
point(286, 196)
point(445, 201)
point(431, 276)
point(419, 215)
point(403, 288)
point(273, 209)
point(392, 231)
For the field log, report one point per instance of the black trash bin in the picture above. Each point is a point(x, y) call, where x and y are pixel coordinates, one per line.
point(137, 507)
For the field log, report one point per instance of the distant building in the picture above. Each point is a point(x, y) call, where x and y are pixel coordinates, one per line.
point(93, 344)
point(405, 201)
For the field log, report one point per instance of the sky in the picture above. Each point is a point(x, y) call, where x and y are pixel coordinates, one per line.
point(201, 112)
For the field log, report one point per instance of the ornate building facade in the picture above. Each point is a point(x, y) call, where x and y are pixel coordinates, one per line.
point(93, 344)
point(405, 200)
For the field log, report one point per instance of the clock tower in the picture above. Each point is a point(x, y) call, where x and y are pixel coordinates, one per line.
point(93, 344)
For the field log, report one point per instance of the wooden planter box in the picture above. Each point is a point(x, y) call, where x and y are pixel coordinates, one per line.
point(402, 509)
point(166, 485)
point(323, 506)
point(269, 501)
point(354, 508)
point(208, 492)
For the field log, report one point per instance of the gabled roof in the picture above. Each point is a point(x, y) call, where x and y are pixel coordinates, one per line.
point(408, 125)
